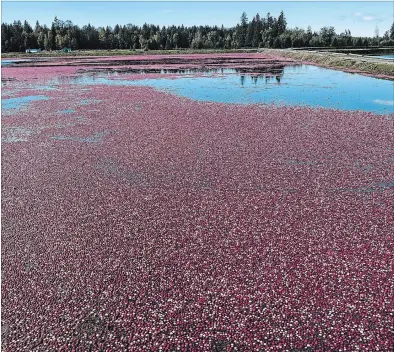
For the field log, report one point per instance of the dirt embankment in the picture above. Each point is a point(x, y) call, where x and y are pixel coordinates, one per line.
point(369, 66)
point(121, 52)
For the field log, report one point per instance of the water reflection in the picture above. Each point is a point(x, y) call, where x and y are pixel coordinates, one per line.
point(259, 71)
point(267, 75)
point(266, 78)
point(301, 85)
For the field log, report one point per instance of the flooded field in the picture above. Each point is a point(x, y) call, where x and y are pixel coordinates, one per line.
point(292, 85)
point(391, 57)
point(234, 202)
point(295, 85)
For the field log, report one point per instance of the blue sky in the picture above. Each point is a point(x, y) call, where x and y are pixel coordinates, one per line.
point(360, 17)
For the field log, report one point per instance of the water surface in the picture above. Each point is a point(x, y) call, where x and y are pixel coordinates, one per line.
point(18, 103)
point(301, 85)
point(391, 57)
point(10, 62)
point(304, 85)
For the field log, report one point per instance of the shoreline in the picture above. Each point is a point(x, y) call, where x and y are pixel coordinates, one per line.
point(351, 63)
point(367, 66)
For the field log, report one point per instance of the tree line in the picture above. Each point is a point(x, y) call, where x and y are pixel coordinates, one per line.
point(260, 32)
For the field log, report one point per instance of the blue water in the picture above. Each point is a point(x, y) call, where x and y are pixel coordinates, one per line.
point(7, 62)
point(305, 85)
point(297, 85)
point(17, 103)
point(10, 62)
point(391, 57)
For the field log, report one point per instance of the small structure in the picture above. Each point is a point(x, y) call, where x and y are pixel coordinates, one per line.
point(33, 50)
point(67, 50)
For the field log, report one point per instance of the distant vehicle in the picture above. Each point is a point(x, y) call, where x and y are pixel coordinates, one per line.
point(33, 50)
point(67, 50)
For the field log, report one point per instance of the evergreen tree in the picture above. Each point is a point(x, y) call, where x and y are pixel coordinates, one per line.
point(169, 44)
point(281, 23)
point(250, 33)
point(27, 28)
point(287, 42)
point(47, 43)
point(244, 20)
point(257, 31)
point(241, 30)
point(327, 34)
point(358, 42)
point(308, 36)
point(52, 37)
point(270, 21)
point(277, 43)
point(268, 31)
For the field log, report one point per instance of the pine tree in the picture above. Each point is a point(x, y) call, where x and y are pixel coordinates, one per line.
point(308, 36)
point(47, 44)
point(257, 31)
point(244, 20)
point(270, 21)
point(52, 37)
point(358, 42)
point(281, 23)
point(241, 30)
point(27, 28)
point(250, 32)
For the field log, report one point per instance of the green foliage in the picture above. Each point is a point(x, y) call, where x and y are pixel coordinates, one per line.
point(335, 42)
point(277, 43)
point(281, 23)
point(327, 34)
point(244, 20)
point(388, 42)
point(259, 32)
point(358, 42)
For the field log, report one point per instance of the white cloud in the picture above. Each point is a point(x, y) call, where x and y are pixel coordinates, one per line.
point(384, 102)
point(368, 17)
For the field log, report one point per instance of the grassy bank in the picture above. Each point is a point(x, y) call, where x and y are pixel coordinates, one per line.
point(359, 51)
point(357, 64)
point(124, 52)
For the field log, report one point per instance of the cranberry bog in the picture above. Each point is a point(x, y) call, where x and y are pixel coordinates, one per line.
point(137, 219)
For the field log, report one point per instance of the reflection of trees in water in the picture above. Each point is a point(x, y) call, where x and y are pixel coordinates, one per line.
point(267, 75)
point(278, 70)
